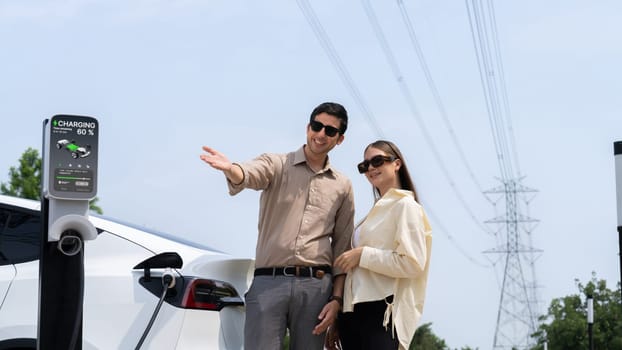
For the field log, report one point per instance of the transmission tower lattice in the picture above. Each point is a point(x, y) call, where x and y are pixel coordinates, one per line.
point(518, 307)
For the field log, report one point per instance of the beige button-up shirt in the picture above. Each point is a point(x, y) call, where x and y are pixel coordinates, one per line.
point(305, 218)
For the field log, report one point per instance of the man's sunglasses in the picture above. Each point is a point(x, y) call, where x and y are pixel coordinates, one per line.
point(376, 161)
point(330, 131)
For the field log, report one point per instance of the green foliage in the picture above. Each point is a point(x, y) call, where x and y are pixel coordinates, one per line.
point(425, 339)
point(25, 180)
point(567, 327)
point(94, 207)
point(286, 341)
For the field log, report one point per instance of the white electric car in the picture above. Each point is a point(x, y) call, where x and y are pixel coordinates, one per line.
point(205, 310)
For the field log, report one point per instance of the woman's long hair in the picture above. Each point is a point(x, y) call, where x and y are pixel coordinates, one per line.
point(404, 176)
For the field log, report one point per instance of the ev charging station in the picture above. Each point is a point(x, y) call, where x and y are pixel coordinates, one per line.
point(69, 182)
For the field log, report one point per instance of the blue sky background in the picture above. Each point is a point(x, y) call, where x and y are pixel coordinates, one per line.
point(166, 77)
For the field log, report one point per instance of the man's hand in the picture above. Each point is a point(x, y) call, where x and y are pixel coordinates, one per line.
point(327, 317)
point(219, 161)
point(215, 159)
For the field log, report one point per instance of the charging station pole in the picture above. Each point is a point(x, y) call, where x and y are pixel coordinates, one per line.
point(70, 149)
point(617, 152)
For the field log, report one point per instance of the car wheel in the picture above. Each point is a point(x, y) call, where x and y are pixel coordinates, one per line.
point(74, 155)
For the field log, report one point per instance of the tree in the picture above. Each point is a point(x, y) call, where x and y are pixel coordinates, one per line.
point(94, 207)
point(567, 319)
point(425, 339)
point(25, 180)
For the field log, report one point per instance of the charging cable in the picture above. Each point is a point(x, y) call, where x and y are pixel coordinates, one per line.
point(168, 282)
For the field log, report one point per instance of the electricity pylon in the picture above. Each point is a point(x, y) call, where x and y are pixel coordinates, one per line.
point(518, 307)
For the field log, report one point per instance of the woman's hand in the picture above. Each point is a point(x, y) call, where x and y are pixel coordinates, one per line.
point(350, 259)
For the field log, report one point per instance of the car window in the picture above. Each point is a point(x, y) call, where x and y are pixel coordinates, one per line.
point(20, 236)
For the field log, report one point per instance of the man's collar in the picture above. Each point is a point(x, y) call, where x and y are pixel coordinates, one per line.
point(299, 157)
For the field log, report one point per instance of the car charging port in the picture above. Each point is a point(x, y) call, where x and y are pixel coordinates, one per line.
point(168, 279)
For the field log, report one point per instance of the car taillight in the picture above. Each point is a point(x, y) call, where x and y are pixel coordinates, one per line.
point(209, 294)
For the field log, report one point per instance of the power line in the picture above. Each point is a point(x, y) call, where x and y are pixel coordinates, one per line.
point(486, 44)
point(517, 313)
point(481, 53)
point(504, 94)
point(438, 223)
point(413, 108)
point(328, 47)
point(433, 89)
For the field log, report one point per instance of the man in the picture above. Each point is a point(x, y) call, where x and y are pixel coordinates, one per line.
point(306, 219)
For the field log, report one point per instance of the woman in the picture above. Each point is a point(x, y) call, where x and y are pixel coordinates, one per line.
point(387, 267)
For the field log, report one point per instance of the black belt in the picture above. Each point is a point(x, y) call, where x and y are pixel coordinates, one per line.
point(294, 271)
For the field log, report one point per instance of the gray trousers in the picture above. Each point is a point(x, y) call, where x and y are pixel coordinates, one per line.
point(277, 303)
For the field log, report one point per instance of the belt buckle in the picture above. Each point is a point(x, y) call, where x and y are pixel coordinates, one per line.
point(290, 274)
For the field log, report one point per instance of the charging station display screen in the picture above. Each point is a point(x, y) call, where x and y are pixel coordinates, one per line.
point(73, 157)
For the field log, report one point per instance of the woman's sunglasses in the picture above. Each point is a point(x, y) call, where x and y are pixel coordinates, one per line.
point(376, 161)
point(330, 131)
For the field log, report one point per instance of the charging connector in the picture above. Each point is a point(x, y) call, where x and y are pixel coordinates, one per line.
point(168, 278)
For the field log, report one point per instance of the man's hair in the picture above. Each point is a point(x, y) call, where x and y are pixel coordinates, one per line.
point(334, 109)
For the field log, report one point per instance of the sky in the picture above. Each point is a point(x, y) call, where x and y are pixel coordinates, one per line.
point(164, 78)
